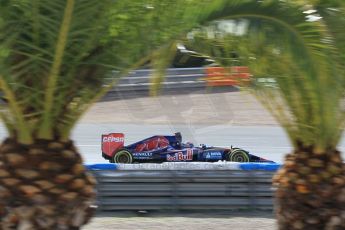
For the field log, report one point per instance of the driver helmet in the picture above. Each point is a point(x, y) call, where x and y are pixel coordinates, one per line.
point(189, 144)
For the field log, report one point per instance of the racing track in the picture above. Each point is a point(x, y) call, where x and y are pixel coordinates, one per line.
point(269, 142)
point(218, 119)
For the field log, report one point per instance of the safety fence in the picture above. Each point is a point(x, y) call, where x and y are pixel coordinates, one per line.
point(184, 78)
point(176, 78)
point(177, 190)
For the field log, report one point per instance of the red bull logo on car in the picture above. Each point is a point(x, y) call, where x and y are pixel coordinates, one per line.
point(181, 156)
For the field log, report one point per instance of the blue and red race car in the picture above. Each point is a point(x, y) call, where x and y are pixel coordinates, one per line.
point(160, 149)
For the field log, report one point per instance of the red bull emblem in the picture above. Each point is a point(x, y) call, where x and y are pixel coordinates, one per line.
point(181, 156)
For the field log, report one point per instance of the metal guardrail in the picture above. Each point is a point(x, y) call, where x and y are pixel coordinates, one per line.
point(139, 80)
point(183, 190)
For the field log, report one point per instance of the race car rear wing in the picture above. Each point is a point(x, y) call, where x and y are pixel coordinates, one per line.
point(112, 142)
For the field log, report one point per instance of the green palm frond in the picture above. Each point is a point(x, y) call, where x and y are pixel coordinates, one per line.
point(300, 54)
point(46, 43)
point(161, 60)
point(56, 56)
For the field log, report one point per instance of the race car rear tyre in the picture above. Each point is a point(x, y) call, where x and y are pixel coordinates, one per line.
point(123, 157)
point(238, 155)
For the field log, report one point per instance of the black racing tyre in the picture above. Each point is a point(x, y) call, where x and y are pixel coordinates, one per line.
point(123, 156)
point(238, 155)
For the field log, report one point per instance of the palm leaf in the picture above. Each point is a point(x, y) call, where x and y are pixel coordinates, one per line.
point(310, 83)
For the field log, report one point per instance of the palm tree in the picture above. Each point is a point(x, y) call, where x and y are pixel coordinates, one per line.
point(55, 60)
point(304, 53)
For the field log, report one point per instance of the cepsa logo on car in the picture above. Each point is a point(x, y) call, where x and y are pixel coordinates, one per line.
point(113, 139)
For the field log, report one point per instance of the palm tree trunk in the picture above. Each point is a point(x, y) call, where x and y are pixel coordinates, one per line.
point(311, 191)
point(43, 186)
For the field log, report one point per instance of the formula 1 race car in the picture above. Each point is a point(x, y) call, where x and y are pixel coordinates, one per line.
point(160, 149)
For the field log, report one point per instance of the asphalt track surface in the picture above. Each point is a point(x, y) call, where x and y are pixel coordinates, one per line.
point(222, 117)
point(265, 141)
point(262, 220)
point(269, 142)
point(203, 117)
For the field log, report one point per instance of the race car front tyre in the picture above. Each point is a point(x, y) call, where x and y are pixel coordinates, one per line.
point(123, 157)
point(238, 155)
